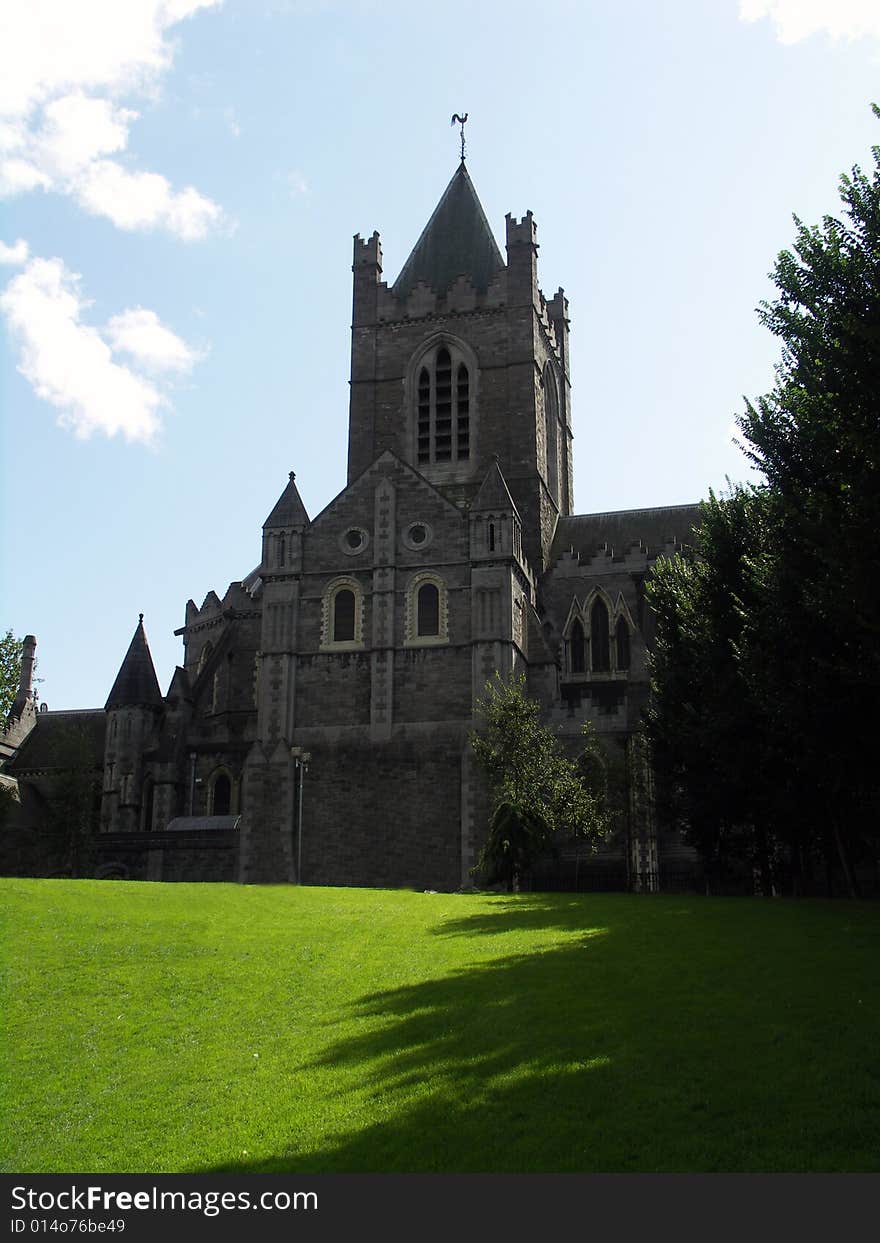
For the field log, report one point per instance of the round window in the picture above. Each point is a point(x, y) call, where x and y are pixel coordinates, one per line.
point(417, 536)
point(354, 540)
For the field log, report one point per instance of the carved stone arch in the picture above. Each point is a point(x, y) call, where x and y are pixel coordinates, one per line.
point(622, 628)
point(621, 609)
point(426, 612)
point(342, 614)
point(426, 431)
point(574, 640)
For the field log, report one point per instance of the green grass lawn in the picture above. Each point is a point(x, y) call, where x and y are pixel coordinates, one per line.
point(216, 1027)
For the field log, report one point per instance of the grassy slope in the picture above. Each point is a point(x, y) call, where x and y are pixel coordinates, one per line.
point(184, 1028)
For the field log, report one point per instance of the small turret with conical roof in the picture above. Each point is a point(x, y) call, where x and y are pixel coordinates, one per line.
point(133, 708)
point(495, 524)
point(282, 531)
point(136, 684)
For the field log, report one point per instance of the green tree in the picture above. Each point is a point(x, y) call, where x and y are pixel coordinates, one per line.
point(766, 673)
point(539, 795)
point(705, 718)
point(816, 438)
point(10, 672)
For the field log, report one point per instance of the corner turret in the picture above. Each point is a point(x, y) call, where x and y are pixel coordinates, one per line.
point(133, 709)
point(282, 532)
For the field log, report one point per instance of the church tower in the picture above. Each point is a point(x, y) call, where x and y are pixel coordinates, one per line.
point(463, 361)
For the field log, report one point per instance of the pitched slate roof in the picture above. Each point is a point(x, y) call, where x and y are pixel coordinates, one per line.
point(289, 510)
point(61, 740)
point(136, 683)
point(585, 533)
point(456, 241)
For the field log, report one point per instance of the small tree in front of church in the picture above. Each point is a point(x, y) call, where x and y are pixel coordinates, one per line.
point(539, 795)
point(10, 670)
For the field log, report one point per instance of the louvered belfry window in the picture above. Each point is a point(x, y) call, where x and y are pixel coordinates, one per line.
point(443, 413)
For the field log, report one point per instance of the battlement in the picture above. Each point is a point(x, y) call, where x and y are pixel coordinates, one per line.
point(521, 232)
point(367, 252)
point(557, 306)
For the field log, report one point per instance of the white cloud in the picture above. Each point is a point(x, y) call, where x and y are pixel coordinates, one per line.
point(15, 254)
point(140, 334)
point(144, 201)
point(71, 365)
point(56, 132)
point(798, 19)
point(50, 47)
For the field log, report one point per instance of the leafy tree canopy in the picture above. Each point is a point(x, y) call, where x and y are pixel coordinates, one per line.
point(767, 666)
point(538, 793)
point(10, 672)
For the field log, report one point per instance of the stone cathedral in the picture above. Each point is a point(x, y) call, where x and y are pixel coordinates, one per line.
point(367, 632)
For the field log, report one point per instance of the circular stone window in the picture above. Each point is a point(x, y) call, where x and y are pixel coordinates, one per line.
point(417, 536)
point(354, 541)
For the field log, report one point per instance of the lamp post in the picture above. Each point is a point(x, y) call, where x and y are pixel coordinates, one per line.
point(301, 767)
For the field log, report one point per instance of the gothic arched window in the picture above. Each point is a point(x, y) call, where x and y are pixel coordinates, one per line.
point(551, 431)
point(621, 637)
point(600, 654)
point(443, 408)
point(576, 648)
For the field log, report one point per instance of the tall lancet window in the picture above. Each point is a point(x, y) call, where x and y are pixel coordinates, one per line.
point(600, 647)
point(621, 635)
point(443, 408)
point(551, 431)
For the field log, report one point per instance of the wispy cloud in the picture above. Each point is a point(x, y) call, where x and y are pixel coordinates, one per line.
point(63, 69)
point(297, 185)
point(232, 122)
point(797, 19)
point(70, 364)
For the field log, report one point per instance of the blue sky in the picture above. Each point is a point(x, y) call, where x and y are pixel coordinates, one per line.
point(180, 183)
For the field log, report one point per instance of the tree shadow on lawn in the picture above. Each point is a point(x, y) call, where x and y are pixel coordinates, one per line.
point(626, 1047)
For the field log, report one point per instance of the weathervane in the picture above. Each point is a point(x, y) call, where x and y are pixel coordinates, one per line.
point(461, 121)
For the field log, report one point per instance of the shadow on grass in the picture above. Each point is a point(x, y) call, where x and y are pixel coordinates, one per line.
point(645, 1041)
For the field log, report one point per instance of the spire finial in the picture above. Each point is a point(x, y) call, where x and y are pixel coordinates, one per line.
point(461, 121)
point(140, 618)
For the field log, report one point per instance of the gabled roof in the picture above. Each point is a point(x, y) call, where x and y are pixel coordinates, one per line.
point(289, 510)
point(456, 241)
point(493, 493)
point(62, 740)
point(136, 683)
point(386, 458)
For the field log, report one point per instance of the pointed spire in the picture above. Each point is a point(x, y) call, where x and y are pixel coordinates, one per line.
point(289, 510)
point(136, 683)
point(494, 493)
point(456, 241)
